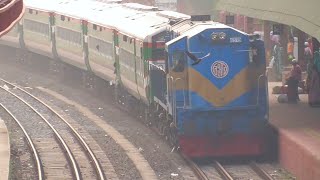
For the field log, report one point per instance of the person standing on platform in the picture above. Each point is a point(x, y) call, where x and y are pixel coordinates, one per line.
point(307, 55)
point(314, 89)
point(290, 47)
point(310, 64)
point(293, 82)
point(277, 60)
point(317, 61)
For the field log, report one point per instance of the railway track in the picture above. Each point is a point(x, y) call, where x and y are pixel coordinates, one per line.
point(50, 138)
point(34, 151)
point(215, 170)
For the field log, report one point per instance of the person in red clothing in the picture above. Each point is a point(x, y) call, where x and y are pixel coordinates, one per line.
point(293, 82)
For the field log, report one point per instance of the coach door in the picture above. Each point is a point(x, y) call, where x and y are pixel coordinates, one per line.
point(177, 78)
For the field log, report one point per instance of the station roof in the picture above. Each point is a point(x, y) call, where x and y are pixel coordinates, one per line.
point(301, 14)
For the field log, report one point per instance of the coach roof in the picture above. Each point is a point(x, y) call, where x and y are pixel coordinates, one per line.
point(130, 18)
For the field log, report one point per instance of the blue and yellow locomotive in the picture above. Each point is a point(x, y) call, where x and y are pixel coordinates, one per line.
point(216, 90)
point(222, 99)
point(202, 83)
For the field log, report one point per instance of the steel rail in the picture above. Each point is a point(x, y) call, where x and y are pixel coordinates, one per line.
point(263, 174)
point(30, 143)
point(82, 141)
point(225, 175)
point(195, 168)
point(76, 171)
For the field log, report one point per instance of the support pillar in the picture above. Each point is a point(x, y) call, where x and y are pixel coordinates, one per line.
point(267, 41)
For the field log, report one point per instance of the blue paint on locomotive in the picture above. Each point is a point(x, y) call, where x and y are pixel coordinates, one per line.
point(235, 104)
point(219, 122)
point(232, 54)
point(206, 120)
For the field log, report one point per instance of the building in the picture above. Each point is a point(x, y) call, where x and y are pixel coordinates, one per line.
point(166, 4)
point(144, 2)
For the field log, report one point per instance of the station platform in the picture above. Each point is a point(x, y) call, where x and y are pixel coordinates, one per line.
point(4, 151)
point(298, 127)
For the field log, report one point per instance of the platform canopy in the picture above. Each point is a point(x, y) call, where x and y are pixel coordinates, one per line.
point(301, 14)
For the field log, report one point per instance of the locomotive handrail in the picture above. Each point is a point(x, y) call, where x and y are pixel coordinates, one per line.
point(173, 97)
point(261, 75)
point(175, 100)
point(169, 94)
point(184, 100)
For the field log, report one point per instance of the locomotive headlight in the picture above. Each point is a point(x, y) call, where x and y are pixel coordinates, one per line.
point(214, 36)
point(222, 36)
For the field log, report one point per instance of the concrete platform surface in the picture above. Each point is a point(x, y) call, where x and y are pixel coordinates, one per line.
point(4, 151)
point(299, 136)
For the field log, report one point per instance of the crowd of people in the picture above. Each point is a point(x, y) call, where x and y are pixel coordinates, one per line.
point(313, 78)
point(310, 63)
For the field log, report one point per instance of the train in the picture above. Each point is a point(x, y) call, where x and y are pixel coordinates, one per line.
point(201, 83)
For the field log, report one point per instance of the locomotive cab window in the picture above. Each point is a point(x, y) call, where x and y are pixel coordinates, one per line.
point(178, 61)
point(254, 55)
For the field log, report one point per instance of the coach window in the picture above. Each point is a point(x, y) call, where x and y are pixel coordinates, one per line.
point(63, 18)
point(125, 38)
point(30, 11)
point(94, 26)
